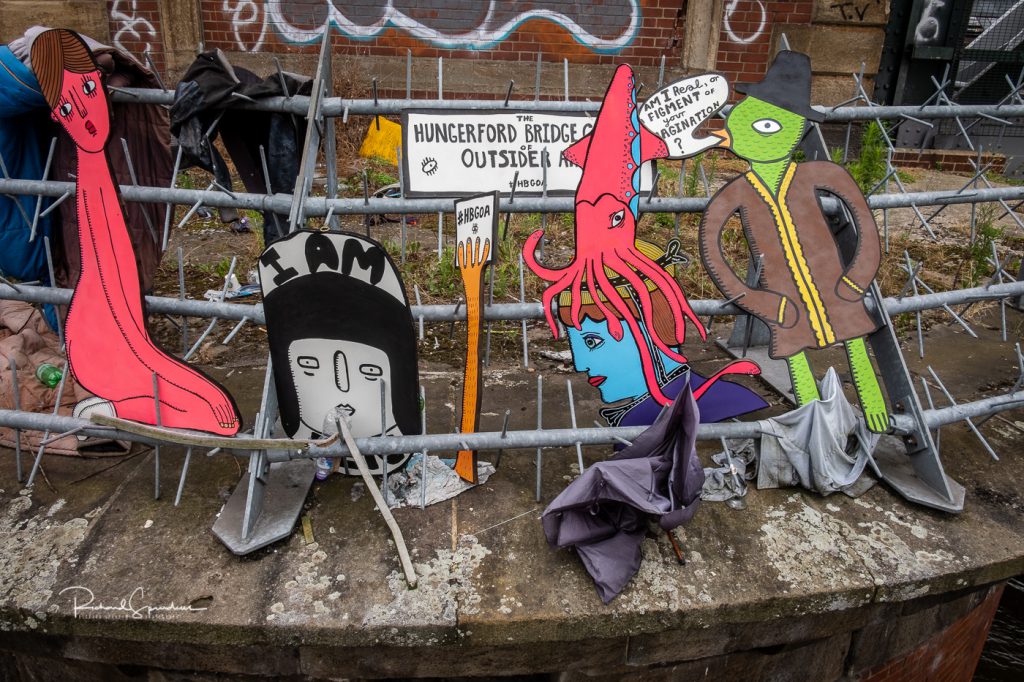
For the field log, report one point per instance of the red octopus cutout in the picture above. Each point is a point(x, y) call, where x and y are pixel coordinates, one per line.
point(607, 210)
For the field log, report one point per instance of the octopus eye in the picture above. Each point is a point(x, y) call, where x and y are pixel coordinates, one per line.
point(618, 217)
point(65, 110)
point(89, 86)
point(593, 341)
point(766, 126)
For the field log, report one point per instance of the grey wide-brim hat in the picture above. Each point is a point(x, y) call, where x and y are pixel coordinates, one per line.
point(786, 85)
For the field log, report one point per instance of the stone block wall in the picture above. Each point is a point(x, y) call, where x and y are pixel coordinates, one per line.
point(87, 16)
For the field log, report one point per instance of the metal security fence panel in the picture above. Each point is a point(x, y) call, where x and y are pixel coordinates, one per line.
point(915, 418)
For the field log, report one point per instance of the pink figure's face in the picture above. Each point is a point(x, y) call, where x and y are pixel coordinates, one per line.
point(83, 110)
point(606, 223)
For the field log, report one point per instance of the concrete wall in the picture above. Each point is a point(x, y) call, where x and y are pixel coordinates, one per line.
point(482, 50)
point(933, 638)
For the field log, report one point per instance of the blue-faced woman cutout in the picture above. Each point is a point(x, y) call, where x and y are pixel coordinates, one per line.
point(613, 367)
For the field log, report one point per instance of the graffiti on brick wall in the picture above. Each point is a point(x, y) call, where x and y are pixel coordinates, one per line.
point(450, 24)
point(247, 18)
point(129, 25)
point(730, 9)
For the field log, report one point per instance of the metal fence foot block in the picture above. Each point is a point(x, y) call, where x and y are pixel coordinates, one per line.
point(918, 474)
point(898, 469)
point(283, 491)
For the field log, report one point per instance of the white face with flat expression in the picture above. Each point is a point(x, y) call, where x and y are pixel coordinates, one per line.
point(330, 373)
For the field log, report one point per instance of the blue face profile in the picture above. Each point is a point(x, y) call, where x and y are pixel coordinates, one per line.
point(613, 366)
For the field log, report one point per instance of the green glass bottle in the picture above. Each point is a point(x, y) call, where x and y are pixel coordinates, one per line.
point(48, 375)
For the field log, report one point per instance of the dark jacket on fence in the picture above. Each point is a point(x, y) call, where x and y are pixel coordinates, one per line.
point(202, 101)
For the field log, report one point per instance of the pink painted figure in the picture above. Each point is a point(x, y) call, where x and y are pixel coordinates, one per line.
point(607, 210)
point(108, 348)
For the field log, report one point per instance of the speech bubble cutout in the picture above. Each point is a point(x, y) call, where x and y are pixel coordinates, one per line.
point(677, 111)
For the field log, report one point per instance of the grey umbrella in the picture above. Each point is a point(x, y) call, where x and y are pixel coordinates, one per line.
point(604, 512)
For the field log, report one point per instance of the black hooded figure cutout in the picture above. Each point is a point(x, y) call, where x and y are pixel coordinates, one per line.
point(340, 329)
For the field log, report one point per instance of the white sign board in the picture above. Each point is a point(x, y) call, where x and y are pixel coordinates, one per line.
point(677, 111)
point(455, 153)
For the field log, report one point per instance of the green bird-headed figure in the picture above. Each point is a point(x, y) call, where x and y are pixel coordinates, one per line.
point(807, 295)
point(765, 135)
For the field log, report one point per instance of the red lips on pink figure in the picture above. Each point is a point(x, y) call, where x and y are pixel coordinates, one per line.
point(83, 110)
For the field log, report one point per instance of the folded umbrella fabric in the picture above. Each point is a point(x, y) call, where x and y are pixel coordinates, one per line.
point(604, 513)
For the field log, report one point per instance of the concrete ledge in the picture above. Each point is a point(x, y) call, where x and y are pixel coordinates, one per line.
point(795, 577)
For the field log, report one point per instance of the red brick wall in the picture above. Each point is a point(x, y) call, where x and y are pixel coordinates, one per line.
point(134, 26)
point(950, 656)
point(659, 32)
point(947, 160)
point(748, 28)
point(744, 47)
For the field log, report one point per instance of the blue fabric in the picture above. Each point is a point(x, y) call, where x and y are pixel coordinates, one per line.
point(23, 145)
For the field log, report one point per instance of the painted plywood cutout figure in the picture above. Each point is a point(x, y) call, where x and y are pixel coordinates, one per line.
point(808, 295)
point(612, 279)
point(607, 209)
point(341, 337)
point(613, 365)
point(109, 350)
point(476, 221)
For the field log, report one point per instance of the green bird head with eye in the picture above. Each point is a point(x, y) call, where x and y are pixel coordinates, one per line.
point(761, 132)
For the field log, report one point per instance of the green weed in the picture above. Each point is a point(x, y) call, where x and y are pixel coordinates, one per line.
point(379, 178)
point(986, 234)
point(870, 167)
point(444, 279)
point(693, 176)
point(185, 181)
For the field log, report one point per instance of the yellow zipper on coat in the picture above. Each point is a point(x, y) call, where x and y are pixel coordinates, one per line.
point(794, 253)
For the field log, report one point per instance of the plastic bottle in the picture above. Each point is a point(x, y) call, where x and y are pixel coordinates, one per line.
point(48, 375)
point(323, 468)
point(324, 465)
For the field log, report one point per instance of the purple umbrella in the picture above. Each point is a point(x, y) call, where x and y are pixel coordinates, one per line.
point(604, 512)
